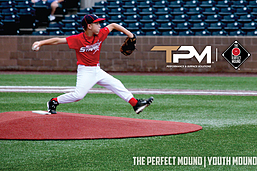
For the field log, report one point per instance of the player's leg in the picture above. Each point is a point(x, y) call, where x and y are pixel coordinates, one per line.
point(113, 84)
point(85, 81)
point(118, 88)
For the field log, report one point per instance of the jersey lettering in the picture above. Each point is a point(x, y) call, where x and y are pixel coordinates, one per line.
point(89, 48)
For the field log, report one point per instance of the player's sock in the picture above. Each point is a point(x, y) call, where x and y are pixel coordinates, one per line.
point(55, 99)
point(133, 101)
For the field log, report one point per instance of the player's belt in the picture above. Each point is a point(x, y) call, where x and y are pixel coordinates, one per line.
point(94, 65)
point(98, 64)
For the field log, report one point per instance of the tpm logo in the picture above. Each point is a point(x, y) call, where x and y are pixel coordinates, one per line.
point(174, 58)
point(236, 55)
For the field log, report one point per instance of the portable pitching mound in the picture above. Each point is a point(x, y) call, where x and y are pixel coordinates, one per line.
point(25, 125)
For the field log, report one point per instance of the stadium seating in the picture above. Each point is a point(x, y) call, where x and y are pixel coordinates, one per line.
point(166, 27)
point(67, 4)
point(208, 4)
point(161, 4)
point(219, 33)
point(246, 18)
point(17, 15)
point(142, 17)
point(196, 18)
point(116, 11)
point(163, 11)
point(223, 4)
point(233, 26)
point(131, 11)
point(251, 33)
point(202, 33)
point(132, 18)
point(229, 18)
point(193, 3)
point(164, 18)
point(134, 26)
point(252, 4)
point(249, 26)
point(217, 26)
point(145, 4)
point(210, 10)
point(150, 27)
point(11, 24)
point(193, 17)
point(42, 11)
point(101, 4)
point(183, 26)
point(71, 19)
point(180, 18)
point(199, 26)
point(117, 18)
point(169, 33)
point(27, 17)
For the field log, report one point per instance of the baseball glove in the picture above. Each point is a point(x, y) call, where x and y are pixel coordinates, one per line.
point(128, 46)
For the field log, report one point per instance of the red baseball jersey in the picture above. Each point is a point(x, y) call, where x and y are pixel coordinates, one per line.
point(88, 48)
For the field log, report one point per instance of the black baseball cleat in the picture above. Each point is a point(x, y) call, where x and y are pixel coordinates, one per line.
point(142, 104)
point(51, 105)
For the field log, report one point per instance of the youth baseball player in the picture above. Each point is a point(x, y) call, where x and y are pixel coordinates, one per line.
point(87, 46)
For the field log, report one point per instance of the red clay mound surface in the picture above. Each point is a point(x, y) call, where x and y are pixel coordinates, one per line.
point(30, 126)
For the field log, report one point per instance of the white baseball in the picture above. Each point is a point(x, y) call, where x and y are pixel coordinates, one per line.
point(35, 48)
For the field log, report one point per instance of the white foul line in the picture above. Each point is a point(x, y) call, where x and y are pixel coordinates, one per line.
point(55, 89)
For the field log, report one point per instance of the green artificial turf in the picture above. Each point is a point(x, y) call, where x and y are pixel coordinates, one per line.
point(229, 126)
point(134, 81)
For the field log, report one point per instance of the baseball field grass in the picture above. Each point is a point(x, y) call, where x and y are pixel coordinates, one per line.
point(227, 140)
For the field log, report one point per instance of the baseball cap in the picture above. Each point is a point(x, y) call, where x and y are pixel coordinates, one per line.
point(89, 19)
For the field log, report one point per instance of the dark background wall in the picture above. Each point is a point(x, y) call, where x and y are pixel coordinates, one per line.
point(16, 54)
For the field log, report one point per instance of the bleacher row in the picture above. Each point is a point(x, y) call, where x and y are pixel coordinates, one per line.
point(16, 15)
point(166, 17)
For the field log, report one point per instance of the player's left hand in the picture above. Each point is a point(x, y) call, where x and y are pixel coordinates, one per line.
point(128, 46)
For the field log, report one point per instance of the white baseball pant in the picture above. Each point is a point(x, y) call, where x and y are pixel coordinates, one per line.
point(87, 77)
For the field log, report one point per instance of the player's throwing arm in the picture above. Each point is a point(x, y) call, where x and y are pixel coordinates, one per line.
point(53, 41)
